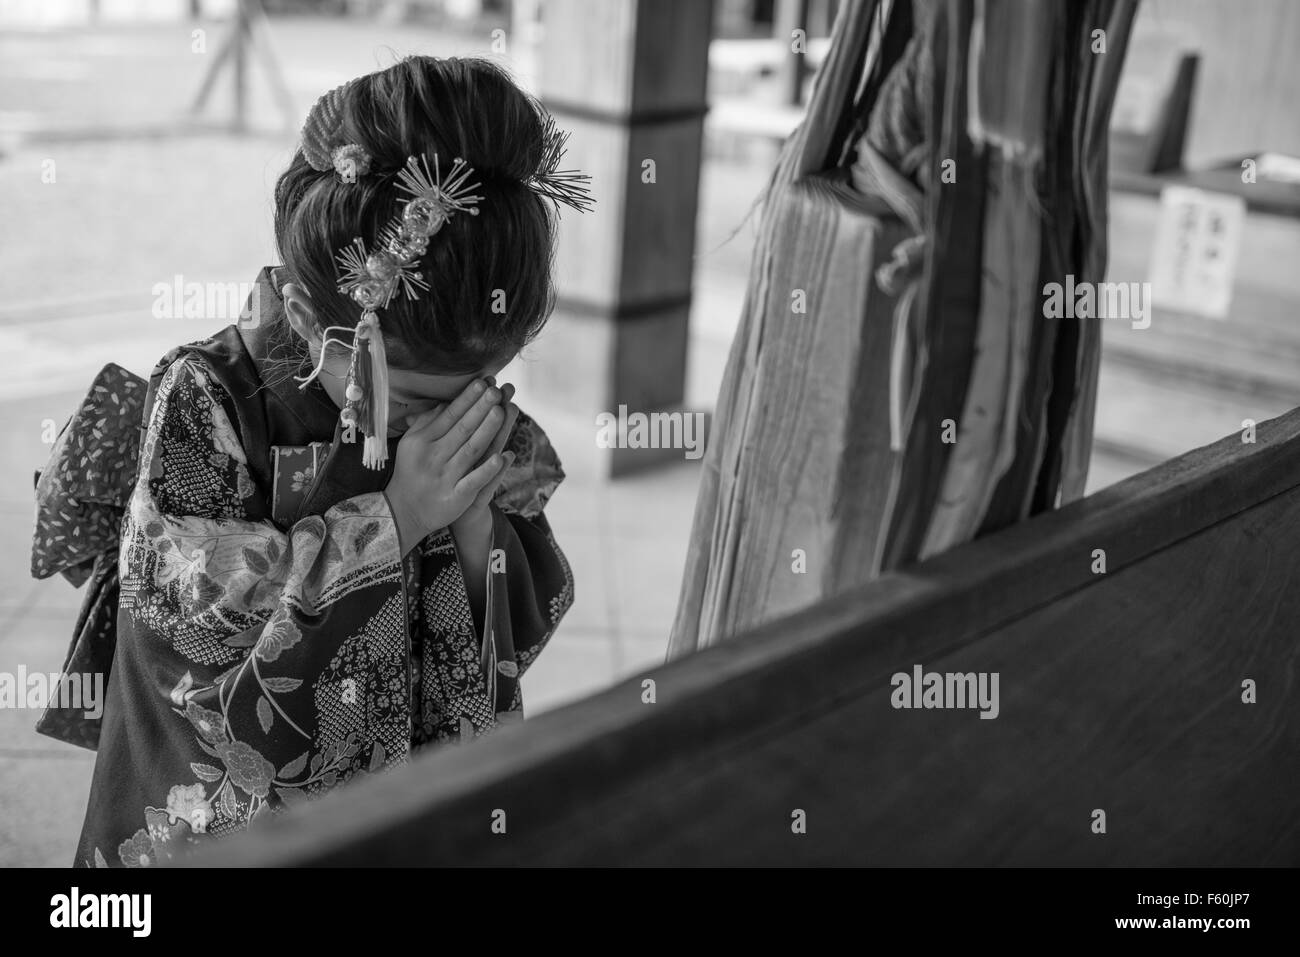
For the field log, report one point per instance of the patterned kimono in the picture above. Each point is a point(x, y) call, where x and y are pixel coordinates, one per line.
point(272, 642)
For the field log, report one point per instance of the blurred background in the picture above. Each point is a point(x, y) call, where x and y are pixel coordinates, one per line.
point(118, 174)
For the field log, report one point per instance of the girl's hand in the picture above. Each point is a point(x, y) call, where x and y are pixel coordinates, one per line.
point(441, 468)
point(478, 515)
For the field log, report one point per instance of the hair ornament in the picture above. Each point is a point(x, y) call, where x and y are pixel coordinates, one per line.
point(322, 132)
point(566, 187)
point(350, 161)
point(371, 278)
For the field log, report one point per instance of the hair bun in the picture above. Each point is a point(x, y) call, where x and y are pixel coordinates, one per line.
point(322, 133)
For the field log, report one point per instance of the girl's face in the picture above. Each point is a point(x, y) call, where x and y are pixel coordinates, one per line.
point(409, 392)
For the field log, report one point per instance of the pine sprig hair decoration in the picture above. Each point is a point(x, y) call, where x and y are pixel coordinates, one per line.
point(566, 187)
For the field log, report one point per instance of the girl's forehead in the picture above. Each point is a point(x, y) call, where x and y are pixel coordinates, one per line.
point(431, 385)
point(420, 385)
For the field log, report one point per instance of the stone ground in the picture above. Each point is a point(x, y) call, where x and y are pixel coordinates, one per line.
point(128, 210)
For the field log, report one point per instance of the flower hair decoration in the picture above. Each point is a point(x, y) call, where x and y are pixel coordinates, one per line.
point(371, 277)
point(323, 143)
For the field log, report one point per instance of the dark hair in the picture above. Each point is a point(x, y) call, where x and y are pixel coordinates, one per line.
point(455, 107)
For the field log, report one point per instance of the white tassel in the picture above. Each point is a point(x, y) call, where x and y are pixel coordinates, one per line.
point(374, 454)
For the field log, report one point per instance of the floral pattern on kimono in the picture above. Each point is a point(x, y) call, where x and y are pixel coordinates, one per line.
point(258, 666)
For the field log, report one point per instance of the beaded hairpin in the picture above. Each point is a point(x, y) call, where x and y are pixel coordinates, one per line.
point(373, 278)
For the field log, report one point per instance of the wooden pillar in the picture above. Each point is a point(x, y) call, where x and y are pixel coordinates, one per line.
point(628, 78)
point(791, 15)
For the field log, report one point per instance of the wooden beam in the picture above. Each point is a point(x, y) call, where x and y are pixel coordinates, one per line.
point(1121, 691)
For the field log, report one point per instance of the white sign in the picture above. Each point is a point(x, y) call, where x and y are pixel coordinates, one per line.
point(1197, 239)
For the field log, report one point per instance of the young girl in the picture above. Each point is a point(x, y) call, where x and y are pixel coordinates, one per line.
point(323, 573)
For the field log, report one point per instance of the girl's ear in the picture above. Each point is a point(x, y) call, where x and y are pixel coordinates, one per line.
point(298, 309)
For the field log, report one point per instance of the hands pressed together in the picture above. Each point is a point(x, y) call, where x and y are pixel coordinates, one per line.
point(450, 462)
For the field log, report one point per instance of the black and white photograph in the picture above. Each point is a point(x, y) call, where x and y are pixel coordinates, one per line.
point(652, 433)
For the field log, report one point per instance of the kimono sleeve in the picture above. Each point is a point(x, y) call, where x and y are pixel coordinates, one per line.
point(530, 588)
point(530, 583)
point(255, 666)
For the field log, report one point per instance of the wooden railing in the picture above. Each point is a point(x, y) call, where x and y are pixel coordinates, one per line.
point(1120, 691)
